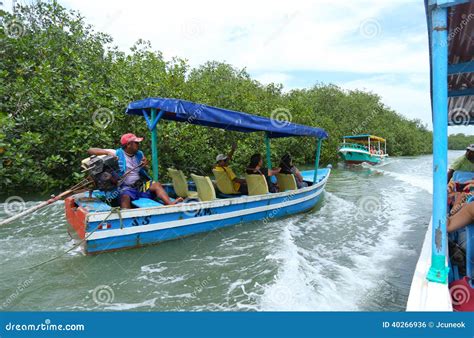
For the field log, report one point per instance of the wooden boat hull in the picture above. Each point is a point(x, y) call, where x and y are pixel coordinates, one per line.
point(146, 226)
point(356, 156)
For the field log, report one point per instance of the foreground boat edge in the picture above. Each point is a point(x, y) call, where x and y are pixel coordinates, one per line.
point(425, 295)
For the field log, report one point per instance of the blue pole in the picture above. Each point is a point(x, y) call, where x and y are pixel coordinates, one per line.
point(439, 49)
point(154, 147)
point(316, 161)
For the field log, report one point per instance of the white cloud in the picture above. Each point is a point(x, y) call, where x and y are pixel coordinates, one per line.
point(411, 101)
point(275, 77)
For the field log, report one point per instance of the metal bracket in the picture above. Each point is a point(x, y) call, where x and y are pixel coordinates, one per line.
point(151, 125)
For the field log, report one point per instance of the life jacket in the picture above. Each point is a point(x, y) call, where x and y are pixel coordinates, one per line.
point(120, 153)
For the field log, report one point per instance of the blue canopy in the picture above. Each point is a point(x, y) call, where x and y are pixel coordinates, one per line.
point(203, 115)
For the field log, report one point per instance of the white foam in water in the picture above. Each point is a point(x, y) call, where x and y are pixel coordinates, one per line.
point(304, 281)
point(421, 182)
point(290, 291)
point(150, 303)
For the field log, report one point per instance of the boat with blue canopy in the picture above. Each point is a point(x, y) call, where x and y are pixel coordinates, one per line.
point(365, 148)
point(102, 227)
point(444, 274)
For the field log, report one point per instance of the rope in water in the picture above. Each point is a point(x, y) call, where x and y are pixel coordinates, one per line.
point(116, 209)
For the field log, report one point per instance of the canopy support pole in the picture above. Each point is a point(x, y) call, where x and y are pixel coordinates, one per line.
point(154, 143)
point(438, 271)
point(268, 150)
point(316, 160)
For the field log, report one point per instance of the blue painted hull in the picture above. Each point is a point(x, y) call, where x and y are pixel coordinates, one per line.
point(146, 226)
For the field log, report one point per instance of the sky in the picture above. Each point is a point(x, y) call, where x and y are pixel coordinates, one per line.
point(373, 45)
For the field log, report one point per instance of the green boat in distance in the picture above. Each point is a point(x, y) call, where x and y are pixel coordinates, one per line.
point(357, 149)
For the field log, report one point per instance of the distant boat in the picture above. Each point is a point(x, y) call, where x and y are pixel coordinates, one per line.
point(357, 149)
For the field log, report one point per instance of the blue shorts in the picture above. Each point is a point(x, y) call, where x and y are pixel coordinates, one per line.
point(135, 193)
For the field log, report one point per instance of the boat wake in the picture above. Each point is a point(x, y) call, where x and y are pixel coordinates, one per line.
point(420, 182)
point(335, 268)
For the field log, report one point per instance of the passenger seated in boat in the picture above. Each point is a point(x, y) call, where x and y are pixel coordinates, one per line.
point(132, 165)
point(222, 164)
point(463, 163)
point(464, 217)
point(256, 167)
point(287, 167)
point(458, 193)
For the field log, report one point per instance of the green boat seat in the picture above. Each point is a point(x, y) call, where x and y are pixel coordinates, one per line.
point(224, 184)
point(205, 188)
point(286, 182)
point(257, 184)
point(146, 203)
point(180, 184)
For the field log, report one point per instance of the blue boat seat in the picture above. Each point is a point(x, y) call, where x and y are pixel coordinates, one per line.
point(146, 203)
point(93, 204)
point(470, 252)
point(463, 176)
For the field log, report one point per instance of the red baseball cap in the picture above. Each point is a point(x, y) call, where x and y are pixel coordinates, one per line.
point(126, 138)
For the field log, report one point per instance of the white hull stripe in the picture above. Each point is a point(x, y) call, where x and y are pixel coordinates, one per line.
point(169, 209)
point(350, 150)
point(196, 220)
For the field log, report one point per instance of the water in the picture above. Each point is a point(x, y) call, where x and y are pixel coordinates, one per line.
point(356, 251)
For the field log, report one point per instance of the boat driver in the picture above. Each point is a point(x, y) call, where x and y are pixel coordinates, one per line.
point(133, 166)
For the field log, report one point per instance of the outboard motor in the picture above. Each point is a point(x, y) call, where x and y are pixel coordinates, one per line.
point(103, 170)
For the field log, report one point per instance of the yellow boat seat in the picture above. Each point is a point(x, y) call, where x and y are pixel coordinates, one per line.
point(286, 182)
point(257, 184)
point(180, 184)
point(204, 186)
point(223, 182)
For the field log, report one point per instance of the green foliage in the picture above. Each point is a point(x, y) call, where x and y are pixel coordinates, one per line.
point(459, 141)
point(64, 88)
